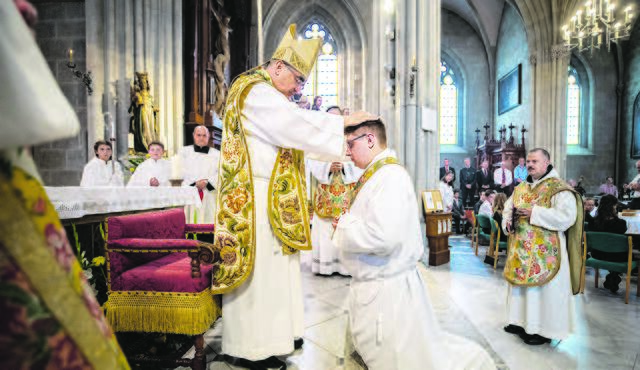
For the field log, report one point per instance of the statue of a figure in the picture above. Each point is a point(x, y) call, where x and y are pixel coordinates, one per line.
point(143, 123)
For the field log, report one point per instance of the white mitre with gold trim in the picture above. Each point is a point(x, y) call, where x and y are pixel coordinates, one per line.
point(301, 54)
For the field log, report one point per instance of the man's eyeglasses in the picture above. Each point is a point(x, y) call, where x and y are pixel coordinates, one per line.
point(352, 141)
point(299, 79)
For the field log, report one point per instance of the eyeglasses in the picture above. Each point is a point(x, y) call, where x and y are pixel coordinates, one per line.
point(299, 79)
point(352, 141)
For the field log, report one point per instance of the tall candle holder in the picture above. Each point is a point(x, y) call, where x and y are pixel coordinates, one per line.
point(86, 78)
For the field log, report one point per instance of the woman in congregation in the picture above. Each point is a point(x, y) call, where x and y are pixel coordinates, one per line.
point(447, 191)
point(607, 221)
point(102, 170)
point(498, 207)
point(609, 187)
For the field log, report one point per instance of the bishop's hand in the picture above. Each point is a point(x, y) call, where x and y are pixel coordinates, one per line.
point(358, 117)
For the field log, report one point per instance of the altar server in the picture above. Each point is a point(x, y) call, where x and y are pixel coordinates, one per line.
point(102, 170)
point(154, 171)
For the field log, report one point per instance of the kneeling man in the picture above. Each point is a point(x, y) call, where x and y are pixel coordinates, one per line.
point(390, 316)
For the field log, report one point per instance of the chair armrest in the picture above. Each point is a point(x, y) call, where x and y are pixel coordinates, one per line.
point(139, 245)
point(199, 228)
point(205, 253)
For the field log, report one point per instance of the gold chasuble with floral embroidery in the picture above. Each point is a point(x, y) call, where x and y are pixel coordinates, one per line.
point(235, 238)
point(534, 252)
point(332, 200)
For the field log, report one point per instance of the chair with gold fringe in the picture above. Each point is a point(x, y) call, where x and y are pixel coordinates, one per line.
point(159, 281)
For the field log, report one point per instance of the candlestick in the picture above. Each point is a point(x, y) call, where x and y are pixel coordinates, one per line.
point(70, 55)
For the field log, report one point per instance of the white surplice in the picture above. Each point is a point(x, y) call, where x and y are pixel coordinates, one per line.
point(100, 173)
point(160, 169)
point(447, 196)
point(547, 310)
point(264, 315)
point(390, 317)
point(200, 166)
point(325, 256)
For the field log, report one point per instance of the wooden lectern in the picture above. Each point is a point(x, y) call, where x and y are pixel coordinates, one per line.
point(438, 224)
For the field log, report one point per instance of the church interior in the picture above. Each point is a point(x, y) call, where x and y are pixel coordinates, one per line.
point(457, 83)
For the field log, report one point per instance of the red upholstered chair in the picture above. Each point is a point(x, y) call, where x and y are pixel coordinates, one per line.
point(158, 280)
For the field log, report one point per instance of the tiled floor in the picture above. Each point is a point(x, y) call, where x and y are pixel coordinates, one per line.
point(469, 299)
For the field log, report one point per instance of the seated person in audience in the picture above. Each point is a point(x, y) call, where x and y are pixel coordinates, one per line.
point(487, 207)
point(520, 172)
point(154, 171)
point(634, 188)
point(476, 207)
point(457, 212)
point(589, 210)
point(498, 207)
point(100, 171)
point(609, 187)
point(607, 221)
point(503, 180)
point(447, 191)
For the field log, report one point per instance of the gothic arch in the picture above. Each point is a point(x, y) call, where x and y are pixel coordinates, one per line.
point(345, 23)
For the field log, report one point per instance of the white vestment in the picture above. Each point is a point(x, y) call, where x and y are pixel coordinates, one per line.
point(100, 173)
point(200, 166)
point(547, 310)
point(264, 315)
point(160, 169)
point(390, 317)
point(326, 259)
point(447, 196)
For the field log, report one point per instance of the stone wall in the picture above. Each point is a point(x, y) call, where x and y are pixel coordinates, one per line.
point(463, 49)
point(61, 27)
point(512, 49)
point(630, 91)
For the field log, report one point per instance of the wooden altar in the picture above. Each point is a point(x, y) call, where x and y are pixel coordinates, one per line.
point(502, 151)
point(438, 231)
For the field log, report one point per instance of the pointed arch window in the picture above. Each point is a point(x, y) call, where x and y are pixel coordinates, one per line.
point(323, 79)
point(574, 107)
point(449, 114)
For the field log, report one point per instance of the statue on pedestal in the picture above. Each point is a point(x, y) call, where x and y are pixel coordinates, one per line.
point(143, 124)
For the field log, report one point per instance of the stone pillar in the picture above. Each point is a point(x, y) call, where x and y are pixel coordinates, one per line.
point(548, 128)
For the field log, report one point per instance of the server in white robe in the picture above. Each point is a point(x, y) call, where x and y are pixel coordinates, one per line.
point(544, 312)
point(154, 171)
point(391, 320)
point(101, 170)
point(325, 257)
point(199, 164)
point(264, 314)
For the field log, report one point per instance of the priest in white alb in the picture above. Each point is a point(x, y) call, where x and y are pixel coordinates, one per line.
point(199, 164)
point(262, 218)
point(544, 261)
point(391, 321)
point(154, 171)
point(331, 197)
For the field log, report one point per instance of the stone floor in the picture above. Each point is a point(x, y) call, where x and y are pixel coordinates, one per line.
point(469, 299)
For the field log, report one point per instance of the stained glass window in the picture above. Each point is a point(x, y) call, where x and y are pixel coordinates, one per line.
point(574, 102)
point(323, 79)
point(448, 105)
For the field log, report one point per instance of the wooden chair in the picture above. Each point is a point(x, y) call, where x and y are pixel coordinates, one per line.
point(471, 218)
point(495, 244)
point(612, 243)
point(483, 222)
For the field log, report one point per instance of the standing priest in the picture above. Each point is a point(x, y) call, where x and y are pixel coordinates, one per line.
point(543, 265)
point(262, 219)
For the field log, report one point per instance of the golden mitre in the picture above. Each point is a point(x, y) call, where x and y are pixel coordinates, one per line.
point(301, 54)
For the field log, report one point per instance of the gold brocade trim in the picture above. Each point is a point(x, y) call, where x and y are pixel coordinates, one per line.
point(332, 200)
point(25, 244)
point(368, 173)
point(162, 312)
point(288, 213)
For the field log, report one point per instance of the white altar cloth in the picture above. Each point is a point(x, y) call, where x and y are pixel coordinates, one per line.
point(75, 202)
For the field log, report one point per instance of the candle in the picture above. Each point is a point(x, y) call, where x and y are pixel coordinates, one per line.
point(70, 55)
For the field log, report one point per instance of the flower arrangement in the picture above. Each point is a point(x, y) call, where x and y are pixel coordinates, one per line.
point(94, 270)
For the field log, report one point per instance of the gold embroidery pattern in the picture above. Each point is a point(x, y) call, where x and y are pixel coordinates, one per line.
point(332, 200)
point(367, 175)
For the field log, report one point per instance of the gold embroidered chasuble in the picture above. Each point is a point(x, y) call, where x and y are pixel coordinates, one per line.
point(332, 200)
point(533, 258)
point(235, 219)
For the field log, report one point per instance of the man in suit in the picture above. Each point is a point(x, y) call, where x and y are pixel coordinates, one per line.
point(457, 212)
point(467, 183)
point(444, 169)
point(484, 178)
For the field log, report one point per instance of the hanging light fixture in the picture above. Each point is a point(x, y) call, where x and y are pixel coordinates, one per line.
point(595, 25)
